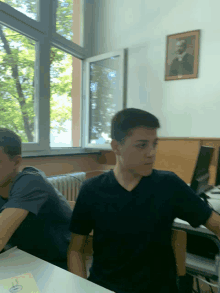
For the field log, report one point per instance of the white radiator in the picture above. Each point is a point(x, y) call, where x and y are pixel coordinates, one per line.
point(68, 184)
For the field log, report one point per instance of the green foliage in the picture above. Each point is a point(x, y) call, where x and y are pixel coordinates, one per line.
point(17, 79)
point(64, 18)
point(64, 13)
point(17, 61)
point(16, 104)
point(30, 6)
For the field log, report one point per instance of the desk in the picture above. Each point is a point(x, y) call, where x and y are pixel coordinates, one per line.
point(49, 278)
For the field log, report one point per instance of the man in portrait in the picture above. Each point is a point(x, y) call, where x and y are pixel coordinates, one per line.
point(183, 63)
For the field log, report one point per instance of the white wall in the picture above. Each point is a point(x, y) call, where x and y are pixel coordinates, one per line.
point(185, 108)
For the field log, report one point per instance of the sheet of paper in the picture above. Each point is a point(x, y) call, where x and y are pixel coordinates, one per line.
point(24, 283)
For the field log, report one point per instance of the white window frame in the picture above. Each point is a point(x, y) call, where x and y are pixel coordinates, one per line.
point(86, 94)
point(43, 31)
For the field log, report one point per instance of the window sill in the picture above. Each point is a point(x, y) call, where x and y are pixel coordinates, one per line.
point(60, 152)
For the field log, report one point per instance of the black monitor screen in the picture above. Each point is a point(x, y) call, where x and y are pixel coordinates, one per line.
point(217, 179)
point(202, 165)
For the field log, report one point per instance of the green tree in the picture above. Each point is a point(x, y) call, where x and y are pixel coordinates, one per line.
point(17, 58)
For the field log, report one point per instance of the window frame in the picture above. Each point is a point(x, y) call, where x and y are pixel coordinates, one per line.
point(43, 31)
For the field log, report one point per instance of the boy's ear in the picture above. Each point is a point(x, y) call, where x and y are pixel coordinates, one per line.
point(17, 160)
point(115, 146)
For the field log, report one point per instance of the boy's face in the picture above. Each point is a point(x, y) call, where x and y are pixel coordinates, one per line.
point(135, 154)
point(8, 168)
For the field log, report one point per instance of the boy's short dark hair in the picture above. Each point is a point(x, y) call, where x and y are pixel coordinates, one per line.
point(10, 142)
point(126, 121)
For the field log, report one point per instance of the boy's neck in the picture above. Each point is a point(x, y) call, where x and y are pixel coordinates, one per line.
point(5, 190)
point(126, 176)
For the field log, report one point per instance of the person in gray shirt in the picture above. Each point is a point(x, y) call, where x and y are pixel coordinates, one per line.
point(34, 215)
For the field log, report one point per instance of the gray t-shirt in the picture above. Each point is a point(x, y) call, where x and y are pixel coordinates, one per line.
point(45, 231)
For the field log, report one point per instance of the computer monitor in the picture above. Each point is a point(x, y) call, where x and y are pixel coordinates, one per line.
point(200, 176)
point(217, 179)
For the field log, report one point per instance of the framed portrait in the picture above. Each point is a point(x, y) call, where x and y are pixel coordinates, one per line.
point(182, 55)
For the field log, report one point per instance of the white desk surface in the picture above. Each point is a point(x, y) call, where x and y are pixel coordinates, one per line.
point(185, 225)
point(49, 278)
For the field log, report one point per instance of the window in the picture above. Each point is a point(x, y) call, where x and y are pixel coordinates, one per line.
point(69, 20)
point(103, 91)
point(17, 60)
point(104, 97)
point(40, 78)
point(65, 85)
point(32, 104)
point(28, 7)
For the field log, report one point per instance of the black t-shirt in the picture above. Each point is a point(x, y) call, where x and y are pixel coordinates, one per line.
point(132, 229)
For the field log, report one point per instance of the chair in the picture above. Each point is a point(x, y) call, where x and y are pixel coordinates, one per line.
point(179, 241)
point(179, 237)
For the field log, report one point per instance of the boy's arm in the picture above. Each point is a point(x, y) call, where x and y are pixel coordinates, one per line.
point(10, 220)
point(213, 224)
point(75, 256)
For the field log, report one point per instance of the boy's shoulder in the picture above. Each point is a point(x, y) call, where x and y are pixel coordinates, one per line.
point(29, 176)
point(29, 170)
point(159, 175)
point(99, 180)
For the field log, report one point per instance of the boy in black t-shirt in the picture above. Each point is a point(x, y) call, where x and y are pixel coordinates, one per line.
point(131, 210)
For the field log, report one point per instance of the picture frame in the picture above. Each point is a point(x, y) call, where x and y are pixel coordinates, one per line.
point(182, 55)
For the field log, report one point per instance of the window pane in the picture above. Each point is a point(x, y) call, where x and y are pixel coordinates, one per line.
point(69, 21)
point(65, 80)
point(28, 7)
point(104, 94)
point(17, 60)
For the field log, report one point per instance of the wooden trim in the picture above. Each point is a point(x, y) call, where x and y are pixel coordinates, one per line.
point(188, 138)
point(179, 240)
point(175, 154)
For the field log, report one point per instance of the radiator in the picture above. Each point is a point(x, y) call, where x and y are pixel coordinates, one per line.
point(68, 184)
